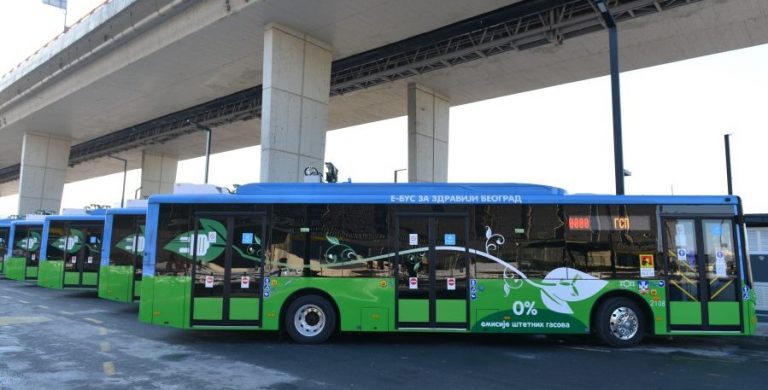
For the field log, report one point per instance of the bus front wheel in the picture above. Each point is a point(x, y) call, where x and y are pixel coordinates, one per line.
point(310, 319)
point(620, 323)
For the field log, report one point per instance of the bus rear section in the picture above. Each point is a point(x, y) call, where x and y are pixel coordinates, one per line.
point(71, 251)
point(5, 230)
point(122, 254)
point(23, 255)
point(469, 261)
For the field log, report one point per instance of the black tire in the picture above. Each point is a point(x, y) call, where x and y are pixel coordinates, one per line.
point(620, 323)
point(310, 319)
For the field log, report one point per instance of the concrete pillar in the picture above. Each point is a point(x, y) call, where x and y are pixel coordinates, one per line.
point(294, 115)
point(44, 160)
point(158, 173)
point(428, 114)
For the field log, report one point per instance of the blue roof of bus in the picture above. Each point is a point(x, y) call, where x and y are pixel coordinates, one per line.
point(26, 222)
point(424, 193)
point(84, 217)
point(128, 211)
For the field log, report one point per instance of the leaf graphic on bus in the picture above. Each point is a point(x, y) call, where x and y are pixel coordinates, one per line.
point(216, 226)
point(333, 240)
point(31, 243)
point(211, 241)
point(554, 304)
point(247, 256)
point(133, 244)
point(563, 285)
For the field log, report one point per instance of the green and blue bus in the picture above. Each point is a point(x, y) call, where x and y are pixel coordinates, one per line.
point(23, 254)
point(5, 229)
point(121, 255)
point(315, 259)
point(71, 250)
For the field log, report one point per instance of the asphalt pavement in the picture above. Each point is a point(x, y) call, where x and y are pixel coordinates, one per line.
point(73, 340)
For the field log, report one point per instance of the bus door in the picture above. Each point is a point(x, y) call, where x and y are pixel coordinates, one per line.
point(83, 255)
point(137, 255)
point(703, 287)
point(228, 267)
point(432, 267)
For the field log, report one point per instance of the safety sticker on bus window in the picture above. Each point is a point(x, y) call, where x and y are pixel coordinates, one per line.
point(413, 239)
point(682, 254)
point(450, 239)
point(413, 283)
point(212, 237)
point(451, 284)
point(245, 282)
point(646, 266)
point(73, 259)
point(247, 238)
point(33, 256)
point(720, 263)
point(90, 259)
point(94, 239)
point(209, 281)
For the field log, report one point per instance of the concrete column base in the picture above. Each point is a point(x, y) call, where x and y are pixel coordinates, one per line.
point(158, 173)
point(297, 80)
point(428, 124)
point(44, 160)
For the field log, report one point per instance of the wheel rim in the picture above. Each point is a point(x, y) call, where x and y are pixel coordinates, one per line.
point(624, 323)
point(309, 320)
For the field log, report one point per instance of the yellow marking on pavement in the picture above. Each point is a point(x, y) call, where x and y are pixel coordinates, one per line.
point(69, 313)
point(95, 321)
point(43, 307)
point(5, 296)
point(5, 321)
point(102, 331)
point(23, 301)
point(109, 368)
point(104, 346)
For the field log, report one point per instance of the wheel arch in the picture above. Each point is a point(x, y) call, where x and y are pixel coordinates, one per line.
point(304, 292)
point(634, 297)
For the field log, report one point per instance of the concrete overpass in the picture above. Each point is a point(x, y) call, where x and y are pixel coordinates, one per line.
point(132, 78)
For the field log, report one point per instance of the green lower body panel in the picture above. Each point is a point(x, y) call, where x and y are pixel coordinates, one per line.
point(32, 273)
point(495, 305)
point(51, 274)
point(413, 310)
point(208, 308)
point(115, 283)
point(364, 304)
point(451, 310)
point(685, 313)
point(244, 309)
point(2, 264)
point(723, 313)
point(81, 279)
point(15, 268)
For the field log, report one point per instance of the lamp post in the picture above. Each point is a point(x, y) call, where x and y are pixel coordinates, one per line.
point(399, 170)
point(728, 163)
point(125, 174)
point(207, 146)
point(613, 48)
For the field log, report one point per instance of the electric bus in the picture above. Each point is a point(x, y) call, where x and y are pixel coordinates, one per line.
point(121, 254)
point(23, 253)
point(71, 250)
point(315, 259)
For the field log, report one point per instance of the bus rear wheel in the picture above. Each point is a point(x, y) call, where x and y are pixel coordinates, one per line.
point(310, 319)
point(620, 323)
